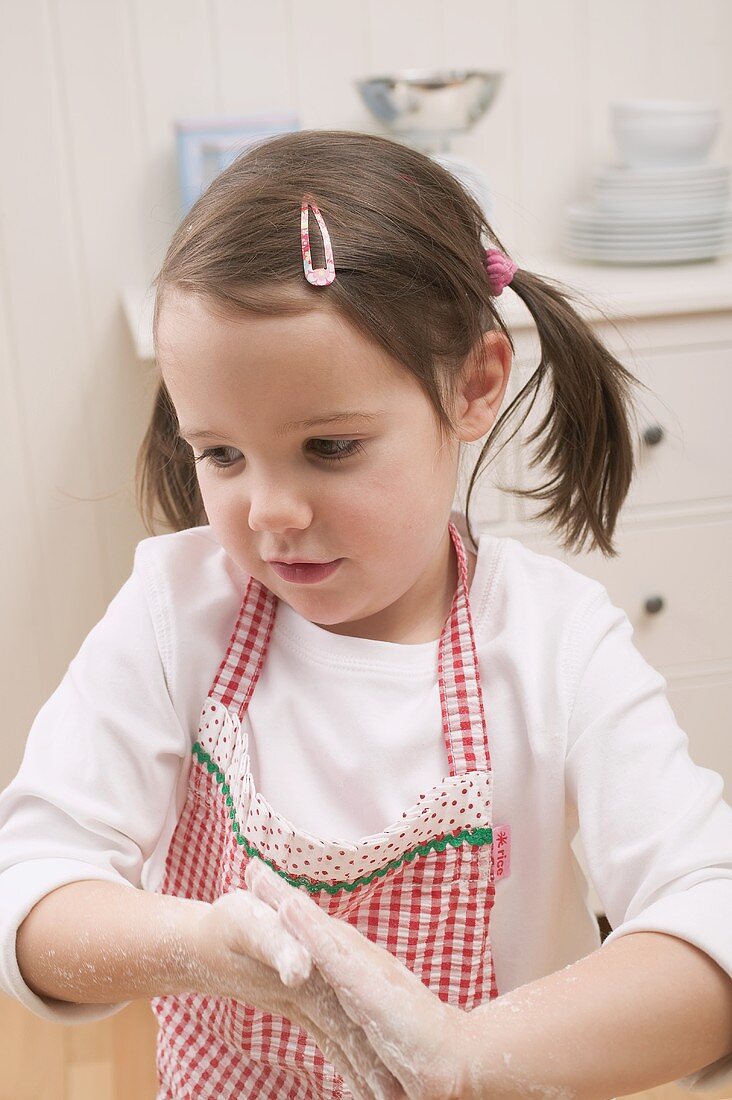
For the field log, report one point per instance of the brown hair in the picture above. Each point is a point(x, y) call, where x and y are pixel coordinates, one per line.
point(408, 244)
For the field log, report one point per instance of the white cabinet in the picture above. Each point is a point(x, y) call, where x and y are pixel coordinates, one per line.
point(672, 328)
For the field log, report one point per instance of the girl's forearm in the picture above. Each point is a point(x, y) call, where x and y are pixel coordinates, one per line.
point(639, 1012)
point(97, 942)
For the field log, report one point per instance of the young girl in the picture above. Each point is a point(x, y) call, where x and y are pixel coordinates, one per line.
point(408, 730)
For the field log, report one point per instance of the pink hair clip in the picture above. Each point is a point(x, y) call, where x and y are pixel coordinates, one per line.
point(499, 268)
point(321, 276)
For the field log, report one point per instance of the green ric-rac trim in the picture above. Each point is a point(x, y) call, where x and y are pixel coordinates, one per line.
point(470, 836)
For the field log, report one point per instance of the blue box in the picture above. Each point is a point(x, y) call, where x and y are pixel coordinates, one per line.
point(206, 146)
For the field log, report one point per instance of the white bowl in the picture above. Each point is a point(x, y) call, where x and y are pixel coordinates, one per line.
point(658, 108)
point(651, 136)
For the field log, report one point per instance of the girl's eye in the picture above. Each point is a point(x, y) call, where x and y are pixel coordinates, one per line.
point(344, 449)
point(209, 457)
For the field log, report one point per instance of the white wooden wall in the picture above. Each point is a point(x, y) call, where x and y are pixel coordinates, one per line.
point(89, 90)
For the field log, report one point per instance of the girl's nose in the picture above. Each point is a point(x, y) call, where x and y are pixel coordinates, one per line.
point(278, 511)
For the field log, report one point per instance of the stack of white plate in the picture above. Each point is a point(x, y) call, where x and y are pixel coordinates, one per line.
point(662, 203)
point(653, 215)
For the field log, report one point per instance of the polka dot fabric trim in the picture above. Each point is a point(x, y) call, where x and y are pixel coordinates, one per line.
point(450, 813)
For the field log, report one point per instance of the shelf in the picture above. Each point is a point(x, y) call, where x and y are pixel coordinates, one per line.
point(620, 292)
point(138, 308)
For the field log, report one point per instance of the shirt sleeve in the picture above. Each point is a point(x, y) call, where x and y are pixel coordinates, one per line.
point(656, 831)
point(99, 770)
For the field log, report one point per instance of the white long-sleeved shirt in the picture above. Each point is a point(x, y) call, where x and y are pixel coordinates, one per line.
point(581, 735)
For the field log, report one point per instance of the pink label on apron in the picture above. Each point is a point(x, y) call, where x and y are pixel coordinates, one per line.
point(501, 852)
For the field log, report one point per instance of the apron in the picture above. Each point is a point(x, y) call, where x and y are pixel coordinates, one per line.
point(423, 888)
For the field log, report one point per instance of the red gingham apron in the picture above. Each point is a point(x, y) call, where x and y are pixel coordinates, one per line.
point(423, 888)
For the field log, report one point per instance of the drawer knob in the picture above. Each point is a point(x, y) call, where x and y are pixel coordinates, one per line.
point(654, 604)
point(653, 435)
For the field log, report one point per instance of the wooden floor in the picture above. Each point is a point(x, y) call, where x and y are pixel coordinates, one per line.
point(114, 1059)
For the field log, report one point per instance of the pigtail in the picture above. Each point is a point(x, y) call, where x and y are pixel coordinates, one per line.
point(165, 471)
point(586, 439)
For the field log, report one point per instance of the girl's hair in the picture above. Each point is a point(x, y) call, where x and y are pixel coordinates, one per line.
point(410, 276)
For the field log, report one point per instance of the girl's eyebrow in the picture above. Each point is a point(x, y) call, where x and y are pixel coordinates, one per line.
point(291, 425)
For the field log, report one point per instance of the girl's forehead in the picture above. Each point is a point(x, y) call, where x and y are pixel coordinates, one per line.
point(318, 346)
point(185, 318)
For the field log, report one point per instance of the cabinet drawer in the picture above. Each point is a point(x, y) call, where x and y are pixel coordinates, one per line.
point(686, 568)
point(688, 410)
point(681, 439)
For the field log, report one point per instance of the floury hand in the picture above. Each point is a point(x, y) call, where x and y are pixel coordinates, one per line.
point(415, 1035)
point(240, 949)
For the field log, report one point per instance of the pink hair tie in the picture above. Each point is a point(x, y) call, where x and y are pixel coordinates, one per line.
point(499, 268)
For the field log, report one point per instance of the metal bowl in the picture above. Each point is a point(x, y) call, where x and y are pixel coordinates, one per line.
point(428, 101)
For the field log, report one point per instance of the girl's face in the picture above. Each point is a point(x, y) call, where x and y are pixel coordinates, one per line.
point(374, 487)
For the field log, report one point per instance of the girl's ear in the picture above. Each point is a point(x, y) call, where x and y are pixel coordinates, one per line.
point(482, 390)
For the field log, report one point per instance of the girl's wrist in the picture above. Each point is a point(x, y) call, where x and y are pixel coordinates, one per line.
point(191, 955)
point(484, 1063)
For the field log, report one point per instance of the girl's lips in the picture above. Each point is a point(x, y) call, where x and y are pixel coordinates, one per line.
point(305, 574)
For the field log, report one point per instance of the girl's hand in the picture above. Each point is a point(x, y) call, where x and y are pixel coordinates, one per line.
point(417, 1036)
point(240, 949)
